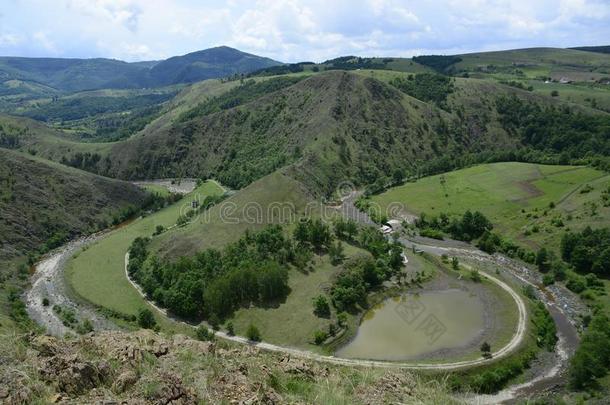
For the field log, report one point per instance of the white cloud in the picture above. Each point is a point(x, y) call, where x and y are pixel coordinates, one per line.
point(43, 40)
point(292, 30)
point(10, 40)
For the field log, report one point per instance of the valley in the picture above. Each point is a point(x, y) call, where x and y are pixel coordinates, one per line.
point(442, 218)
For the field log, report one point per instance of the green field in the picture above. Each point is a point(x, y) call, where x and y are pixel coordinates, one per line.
point(516, 197)
point(293, 323)
point(97, 273)
point(275, 198)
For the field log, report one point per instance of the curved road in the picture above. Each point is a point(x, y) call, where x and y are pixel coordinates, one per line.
point(48, 282)
point(512, 345)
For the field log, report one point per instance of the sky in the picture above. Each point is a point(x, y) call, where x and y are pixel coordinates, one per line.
point(293, 30)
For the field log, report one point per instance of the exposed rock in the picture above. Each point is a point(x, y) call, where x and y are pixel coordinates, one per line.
point(297, 366)
point(72, 375)
point(390, 388)
point(172, 391)
point(124, 381)
point(45, 345)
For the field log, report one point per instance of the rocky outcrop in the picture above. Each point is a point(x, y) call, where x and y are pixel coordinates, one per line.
point(148, 368)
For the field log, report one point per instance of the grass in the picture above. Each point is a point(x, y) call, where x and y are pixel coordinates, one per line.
point(154, 188)
point(293, 323)
point(516, 197)
point(275, 198)
point(97, 272)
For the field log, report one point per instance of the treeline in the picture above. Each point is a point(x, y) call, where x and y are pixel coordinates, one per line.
point(440, 63)
point(70, 109)
point(10, 136)
point(555, 129)
point(471, 225)
point(592, 358)
point(362, 274)
point(214, 283)
point(120, 126)
point(354, 62)
point(426, 87)
point(588, 251)
point(247, 91)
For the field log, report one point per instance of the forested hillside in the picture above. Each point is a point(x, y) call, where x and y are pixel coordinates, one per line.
point(43, 204)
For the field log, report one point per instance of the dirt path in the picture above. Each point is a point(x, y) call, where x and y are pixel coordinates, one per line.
point(562, 307)
point(504, 351)
point(179, 186)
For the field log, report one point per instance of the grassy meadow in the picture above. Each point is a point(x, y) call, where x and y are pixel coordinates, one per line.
point(97, 272)
point(529, 203)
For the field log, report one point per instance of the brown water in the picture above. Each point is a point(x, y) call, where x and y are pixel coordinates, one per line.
point(409, 326)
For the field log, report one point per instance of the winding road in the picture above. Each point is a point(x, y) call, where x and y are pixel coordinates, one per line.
point(48, 282)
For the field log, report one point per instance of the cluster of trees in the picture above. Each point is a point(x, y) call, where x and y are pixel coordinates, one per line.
point(362, 274)
point(555, 129)
point(70, 109)
point(86, 161)
point(426, 87)
point(588, 251)
point(440, 63)
point(120, 126)
point(247, 91)
point(214, 283)
point(9, 136)
point(471, 225)
point(592, 358)
point(281, 69)
point(207, 203)
point(546, 331)
point(355, 62)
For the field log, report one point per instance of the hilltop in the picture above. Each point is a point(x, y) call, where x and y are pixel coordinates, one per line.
point(51, 75)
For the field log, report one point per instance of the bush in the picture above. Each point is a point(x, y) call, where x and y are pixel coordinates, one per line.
point(230, 328)
point(204, 333)
point(321, 307)
point(431, 233)
point(253, 333)
point(45, 302)
point(146, 319)
point(319, 337)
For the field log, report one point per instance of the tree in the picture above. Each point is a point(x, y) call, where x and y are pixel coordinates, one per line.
point(321, 307)
point(455, 264)
point(204, 333)
point(486, 350)
point(319, 337)
point(335, 251)
point(542, 260)
point(230, 328)
point(398, 176)
point(253, 333)
point(146, 319)
point(342, 319)
point(159, 229)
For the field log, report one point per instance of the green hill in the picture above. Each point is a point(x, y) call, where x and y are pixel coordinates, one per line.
point(42, 204)
point(70, 75)
point(210, 63)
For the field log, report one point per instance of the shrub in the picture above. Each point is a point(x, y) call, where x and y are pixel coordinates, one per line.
point(204, 333)
point(319, 337)
point(253, 333)
point(146, 319)
point(321, 307)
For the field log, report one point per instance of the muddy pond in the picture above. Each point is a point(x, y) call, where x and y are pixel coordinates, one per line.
point(411, 326)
